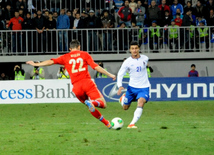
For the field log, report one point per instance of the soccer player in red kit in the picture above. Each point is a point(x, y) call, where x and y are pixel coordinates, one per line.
point(76, 63)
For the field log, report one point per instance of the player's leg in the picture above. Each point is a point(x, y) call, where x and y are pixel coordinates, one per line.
point(142, 97)
point(95, 95)
point(97, 100)
point(127, 98)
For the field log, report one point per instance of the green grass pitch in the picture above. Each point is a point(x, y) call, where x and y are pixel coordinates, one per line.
point(177, 127)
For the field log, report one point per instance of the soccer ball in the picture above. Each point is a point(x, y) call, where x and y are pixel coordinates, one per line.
point(117, 123)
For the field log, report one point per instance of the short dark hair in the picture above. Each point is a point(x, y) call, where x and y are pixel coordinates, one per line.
point(74, 44)
point(193, 65)
point(189, 2)
point(134, 43)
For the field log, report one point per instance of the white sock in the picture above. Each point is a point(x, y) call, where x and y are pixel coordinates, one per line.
point(138, 112)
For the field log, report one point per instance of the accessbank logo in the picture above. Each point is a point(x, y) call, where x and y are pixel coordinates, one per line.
point(16, 94)
point(37, 91)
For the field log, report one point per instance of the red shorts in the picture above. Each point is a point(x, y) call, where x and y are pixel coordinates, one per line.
point(86, 89)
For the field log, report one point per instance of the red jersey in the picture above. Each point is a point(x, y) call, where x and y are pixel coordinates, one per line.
point(17, 23)
point(178, 21)
point(76, 63)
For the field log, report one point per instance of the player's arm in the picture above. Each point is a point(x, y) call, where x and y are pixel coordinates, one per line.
point(120, 75)
point(103, 71)
point(44, 63)
point(96, 67)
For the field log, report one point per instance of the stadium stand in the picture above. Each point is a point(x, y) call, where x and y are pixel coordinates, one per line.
point(97, 25)
point(35, 29)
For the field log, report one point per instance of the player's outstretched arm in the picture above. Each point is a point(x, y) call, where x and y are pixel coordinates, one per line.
point(44, 63)
point(120, 90)
point(103, 71)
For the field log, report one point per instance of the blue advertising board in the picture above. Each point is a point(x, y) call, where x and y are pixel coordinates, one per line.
point(164, 89)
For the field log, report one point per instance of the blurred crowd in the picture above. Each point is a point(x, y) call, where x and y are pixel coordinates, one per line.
point(45, 15)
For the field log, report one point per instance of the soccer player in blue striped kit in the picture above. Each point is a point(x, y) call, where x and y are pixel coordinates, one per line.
point(138, 88)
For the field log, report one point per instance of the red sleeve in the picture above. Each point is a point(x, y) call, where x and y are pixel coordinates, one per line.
point(10, 22)
point(90, 61)
point(119, 12)
point(59, 60)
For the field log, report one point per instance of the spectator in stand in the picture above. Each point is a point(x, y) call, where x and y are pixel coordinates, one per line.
point(46, 14)
point(153, 13)
point(210, 6)
point(4, 77)
point(77, 23)
point(188, 7)
point(133, 34)
point(155, 38)
point(193, 72)
point(74, 12)
point(124, 37)
point(178, 11)
point(200, 9)
point(18, 4)
point(139, 14)
point(125, 14)
point(51, 23)
point(21, 13)
point(24, 5)
point(200, 18)
point(39, 23)
point(107, 23)
point(16, 23)
point(202, 34)
point(92, 22)
point(51, 35)
point(34, 15)
point(156, 1)
point(133, 5)
point(178, 20)
point(187, 21)
point(163, 7)
point(69, 14)
point(63, 22)
point(210, 22)
point(166, 21)
point(173, 35)
point(176, 6)
point(84, 15)
point(8, 13)
point(28, 24)
point(55, 15)
point(210, 18)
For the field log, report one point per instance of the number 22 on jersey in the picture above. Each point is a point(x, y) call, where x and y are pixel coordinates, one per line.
point(74, 62)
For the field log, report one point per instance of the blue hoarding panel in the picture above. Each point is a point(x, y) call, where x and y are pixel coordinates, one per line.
point(165, 89)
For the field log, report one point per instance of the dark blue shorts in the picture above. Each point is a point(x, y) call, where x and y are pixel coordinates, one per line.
point(133, 94)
